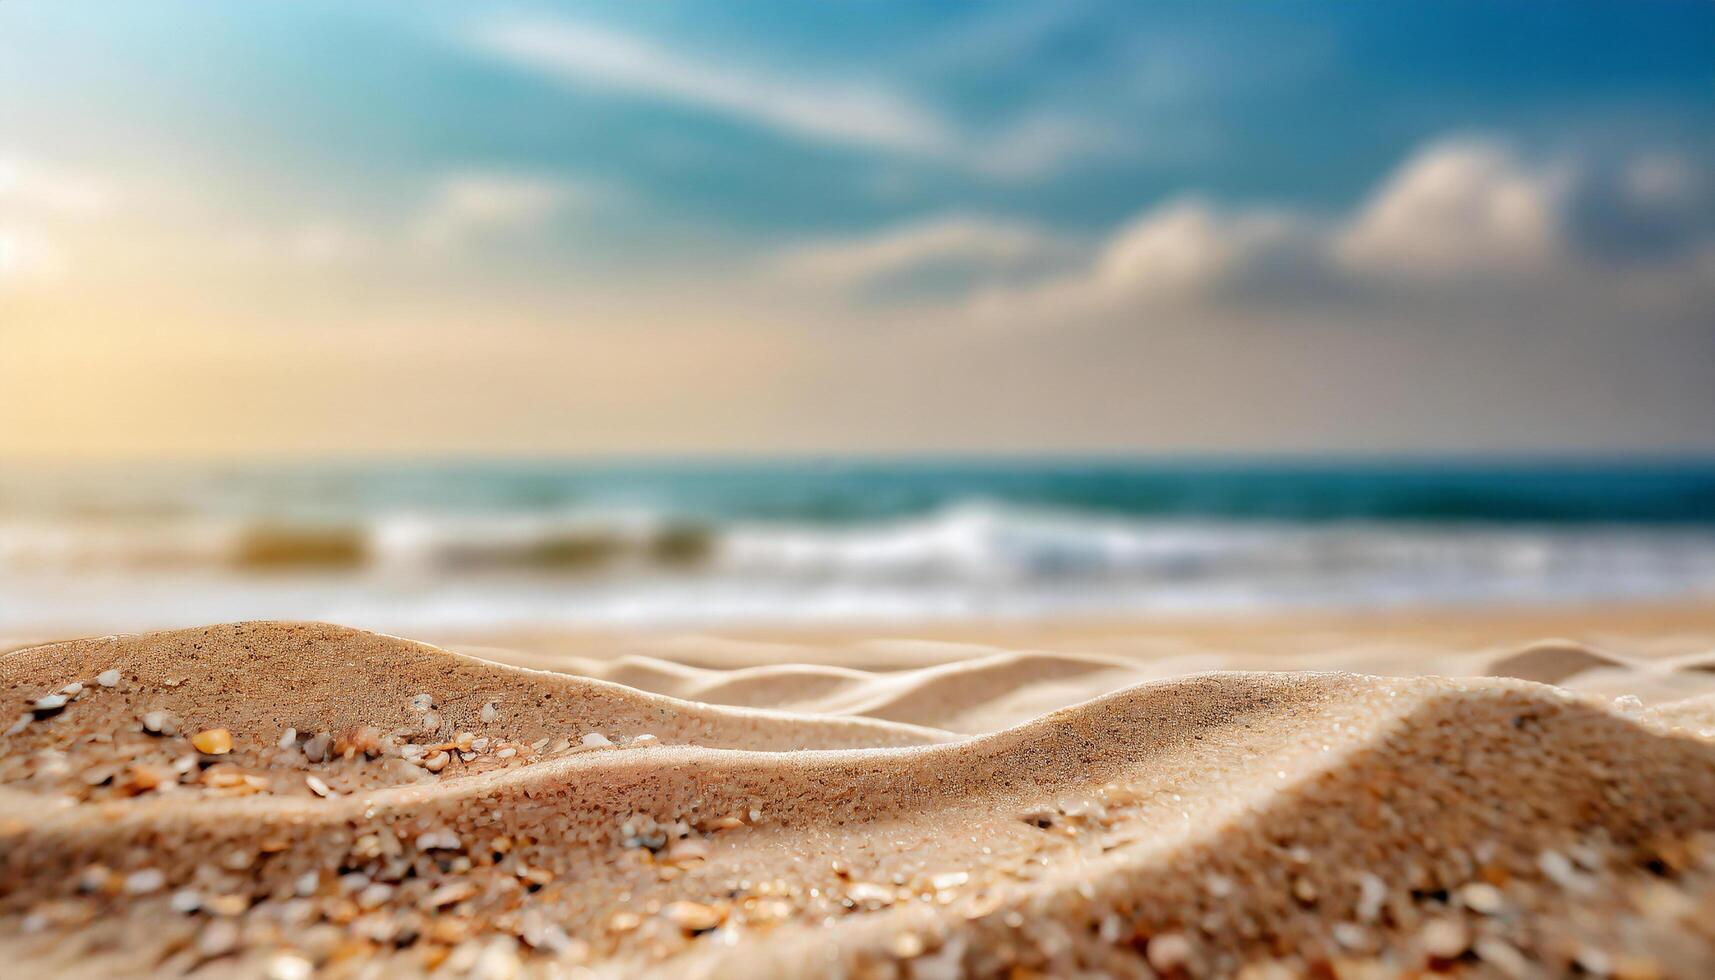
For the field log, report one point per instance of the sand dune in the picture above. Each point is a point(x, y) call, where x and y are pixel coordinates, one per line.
point(1205, 824)
point(988, 688)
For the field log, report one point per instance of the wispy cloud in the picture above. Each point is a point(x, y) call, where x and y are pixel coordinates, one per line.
point(852, 113)
point(469, 205)
point(845, 113)
point(965, 240)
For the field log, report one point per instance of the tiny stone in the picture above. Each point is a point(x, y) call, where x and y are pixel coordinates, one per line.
point(949, 879)
point(186, 900)
point(446, 895)
point(1558, 869)
point(1372, 895)
point(160, 723)
point(1482, 898)
point(1303, 890)
point(288, 738)
point(1594, 962)
point(22, 723)
point(444, 840)
point(488, 713)
point(145, 881)
point(230, 906)
point(1168, 952)
point(307, 884)
point(316, 749)
point(688, 849)
point(1628, 704)
point(108, 677)
point(645, 739)
point(374, 896)
point(317, 786)
point(421, 702)
point(1350, 935)
point(93, 878)
point(1445, 939)
point(48, 704)
point(218, 938)
point(1499, 954)
point(73, 689)
point(596, 739)
point(507, 753)
point(286, 966)
point(436, 762)
point(907, 945)
point(214, 741)
point(864, 892)
point(693, 916)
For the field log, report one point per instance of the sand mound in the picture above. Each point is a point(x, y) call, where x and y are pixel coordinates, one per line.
point(257, 680)
point(1185, 826)
point(981, 695)
point(1698, 662)
point(1551, 662)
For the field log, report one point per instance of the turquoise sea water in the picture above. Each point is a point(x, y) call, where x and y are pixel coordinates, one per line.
point(835, 491)
point(685, 542)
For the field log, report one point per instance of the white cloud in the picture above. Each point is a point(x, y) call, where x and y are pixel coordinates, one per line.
point(464, 206)
point(1460, 208)
point(970, 241)
point(1460, 221)
point(1189, 245)
point(853, 113)
point(1178, 253)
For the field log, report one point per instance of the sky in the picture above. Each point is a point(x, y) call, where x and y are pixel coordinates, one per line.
point(315, 229)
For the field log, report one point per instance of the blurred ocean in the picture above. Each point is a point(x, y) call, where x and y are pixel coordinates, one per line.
point(448, 546)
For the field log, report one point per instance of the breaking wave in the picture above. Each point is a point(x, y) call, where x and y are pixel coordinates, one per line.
point(973, 558)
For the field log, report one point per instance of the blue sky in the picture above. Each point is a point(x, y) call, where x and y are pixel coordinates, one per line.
point(818, 185)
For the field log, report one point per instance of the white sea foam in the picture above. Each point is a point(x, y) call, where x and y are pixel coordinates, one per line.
point(415, 570)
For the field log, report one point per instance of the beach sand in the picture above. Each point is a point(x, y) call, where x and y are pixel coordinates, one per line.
point(1258, 798)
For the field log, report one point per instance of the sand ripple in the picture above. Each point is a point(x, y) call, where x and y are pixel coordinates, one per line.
point(889, 825)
